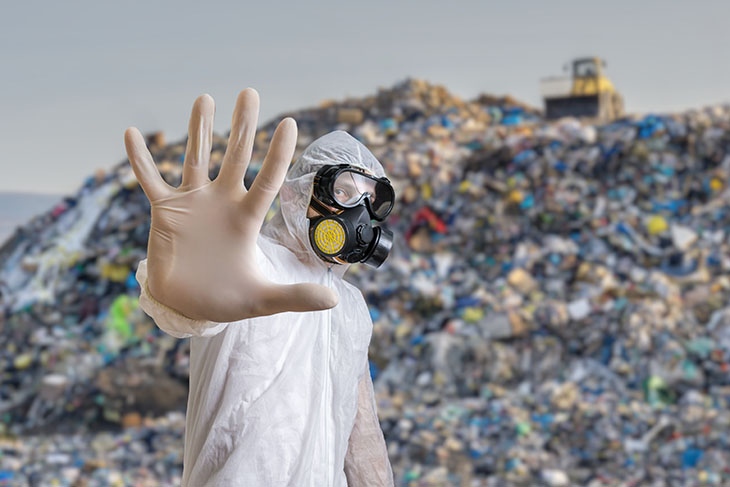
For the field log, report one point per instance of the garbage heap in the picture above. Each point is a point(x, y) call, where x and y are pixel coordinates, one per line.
point(554, 311)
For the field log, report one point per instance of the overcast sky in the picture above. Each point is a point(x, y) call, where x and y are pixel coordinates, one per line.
point(75, 75)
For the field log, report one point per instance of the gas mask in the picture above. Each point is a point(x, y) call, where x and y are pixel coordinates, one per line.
point(347, 235)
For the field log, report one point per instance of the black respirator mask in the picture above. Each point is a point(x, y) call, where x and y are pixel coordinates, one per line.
point(347, 236)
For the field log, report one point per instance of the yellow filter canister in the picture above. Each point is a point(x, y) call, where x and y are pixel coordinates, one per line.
point(329, 236)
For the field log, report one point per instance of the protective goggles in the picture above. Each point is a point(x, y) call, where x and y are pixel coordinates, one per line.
point(344, 186)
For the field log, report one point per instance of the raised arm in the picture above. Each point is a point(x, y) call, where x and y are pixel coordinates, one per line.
point(201, 254)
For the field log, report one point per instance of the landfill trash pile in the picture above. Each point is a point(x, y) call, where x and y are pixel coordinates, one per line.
point(554, 311)
point(146, 454)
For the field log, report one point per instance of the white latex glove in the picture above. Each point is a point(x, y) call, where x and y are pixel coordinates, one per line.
point(201, 254)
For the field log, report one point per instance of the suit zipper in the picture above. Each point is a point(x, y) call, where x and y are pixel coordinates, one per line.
point(326, 383)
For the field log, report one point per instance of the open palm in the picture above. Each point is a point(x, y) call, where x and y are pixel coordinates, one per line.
point(201, 255)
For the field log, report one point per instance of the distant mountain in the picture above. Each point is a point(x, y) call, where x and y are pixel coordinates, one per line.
point(17, 208)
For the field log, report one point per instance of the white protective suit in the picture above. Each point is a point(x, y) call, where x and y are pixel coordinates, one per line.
point(286, 399)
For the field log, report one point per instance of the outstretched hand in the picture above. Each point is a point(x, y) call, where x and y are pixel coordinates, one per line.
point(201, 254)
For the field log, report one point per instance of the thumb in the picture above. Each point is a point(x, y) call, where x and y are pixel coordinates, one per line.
point(278, 298)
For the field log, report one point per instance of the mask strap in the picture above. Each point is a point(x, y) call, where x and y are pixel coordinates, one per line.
point(319, 207)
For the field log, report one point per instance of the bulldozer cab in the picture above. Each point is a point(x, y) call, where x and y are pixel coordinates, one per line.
point(588, 93)
point(587, 68)
point(588, 78)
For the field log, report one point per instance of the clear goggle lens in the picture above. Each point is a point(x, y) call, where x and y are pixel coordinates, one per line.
point(349, 187)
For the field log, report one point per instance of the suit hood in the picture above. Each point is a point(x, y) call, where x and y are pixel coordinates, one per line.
point(290, 226)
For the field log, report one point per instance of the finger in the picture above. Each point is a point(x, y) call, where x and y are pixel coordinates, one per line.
point(276, 298)
point(144, 166)
point(276, 163)
point(200, 143)
point(240, 141)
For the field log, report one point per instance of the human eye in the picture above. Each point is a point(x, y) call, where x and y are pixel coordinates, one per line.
point(341, 194)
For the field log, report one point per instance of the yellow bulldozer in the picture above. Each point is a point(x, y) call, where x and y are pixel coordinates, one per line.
point(588, 93)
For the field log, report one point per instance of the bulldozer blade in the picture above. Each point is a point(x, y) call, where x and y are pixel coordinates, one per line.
point(572, 106)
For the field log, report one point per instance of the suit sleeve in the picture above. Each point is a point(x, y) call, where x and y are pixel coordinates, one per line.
point(366, 461)
point(169, 320)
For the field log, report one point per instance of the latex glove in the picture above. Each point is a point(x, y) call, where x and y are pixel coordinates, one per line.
point(201, 254)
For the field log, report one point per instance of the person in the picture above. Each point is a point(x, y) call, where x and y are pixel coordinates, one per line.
point(280, 389)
